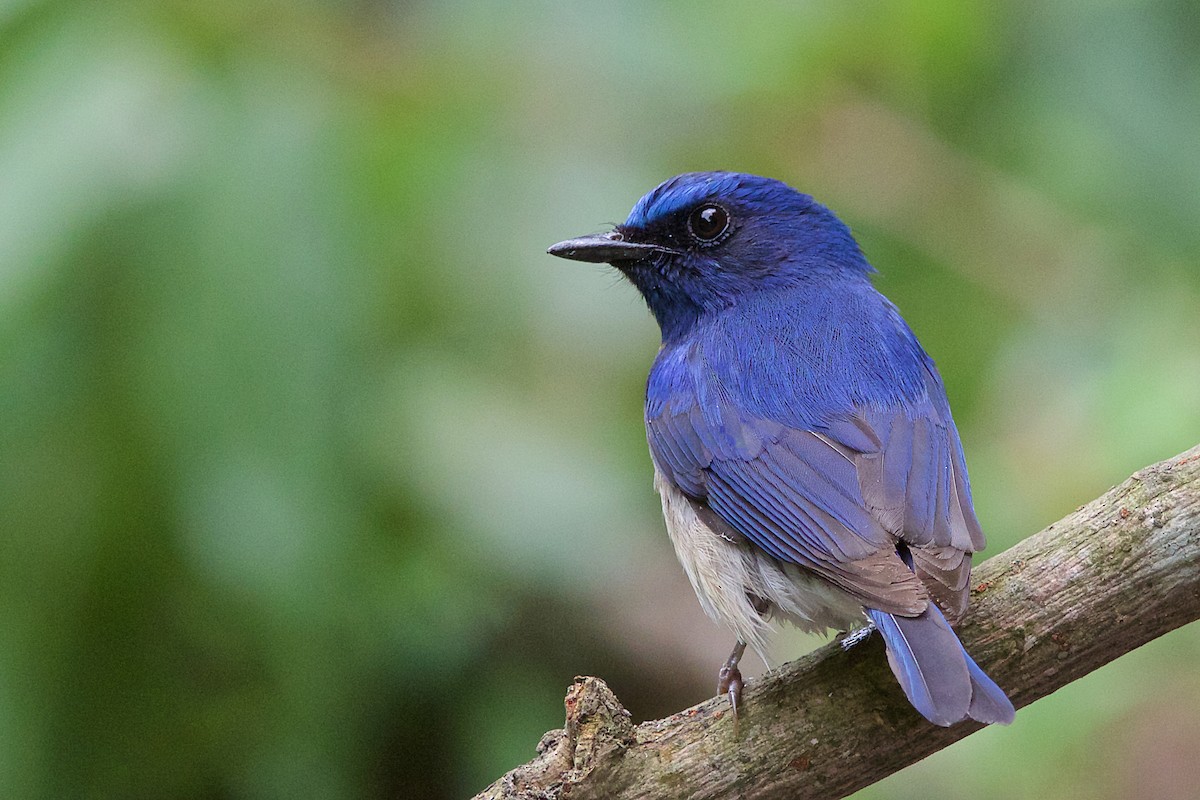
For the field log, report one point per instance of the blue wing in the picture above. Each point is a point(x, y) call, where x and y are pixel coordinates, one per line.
point(834, 495)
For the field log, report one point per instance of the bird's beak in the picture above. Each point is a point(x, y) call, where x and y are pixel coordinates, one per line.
point(604, 247)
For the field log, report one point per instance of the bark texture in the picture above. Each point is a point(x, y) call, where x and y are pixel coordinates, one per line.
point(1117, 573)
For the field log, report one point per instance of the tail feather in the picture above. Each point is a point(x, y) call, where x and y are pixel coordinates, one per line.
point(937, 675)
point(989, 703)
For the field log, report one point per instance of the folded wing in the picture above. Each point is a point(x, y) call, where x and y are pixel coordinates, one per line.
point(836, 498)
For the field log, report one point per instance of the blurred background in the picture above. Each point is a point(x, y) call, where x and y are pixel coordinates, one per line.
point(318, 478)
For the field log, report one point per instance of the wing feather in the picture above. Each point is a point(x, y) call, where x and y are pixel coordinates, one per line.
point(835, 499)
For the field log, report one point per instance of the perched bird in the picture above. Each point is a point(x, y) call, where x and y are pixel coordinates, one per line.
point(801, 437)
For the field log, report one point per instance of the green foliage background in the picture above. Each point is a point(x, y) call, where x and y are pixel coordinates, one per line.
point(319, 479)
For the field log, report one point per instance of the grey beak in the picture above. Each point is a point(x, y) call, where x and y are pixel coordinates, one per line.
point(604, 247)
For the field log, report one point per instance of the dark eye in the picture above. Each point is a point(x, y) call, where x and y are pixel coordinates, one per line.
point(708, 223)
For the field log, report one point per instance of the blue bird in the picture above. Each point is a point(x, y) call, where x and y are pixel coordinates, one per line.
point(802, 441)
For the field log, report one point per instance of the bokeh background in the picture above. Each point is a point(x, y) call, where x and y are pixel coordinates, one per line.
point(319, 479)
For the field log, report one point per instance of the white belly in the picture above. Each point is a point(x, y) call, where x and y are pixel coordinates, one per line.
point(722, 572)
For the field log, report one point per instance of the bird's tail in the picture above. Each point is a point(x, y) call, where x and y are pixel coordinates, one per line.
point(937, 675)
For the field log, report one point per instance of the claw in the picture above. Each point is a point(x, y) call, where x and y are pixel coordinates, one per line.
point(857, 636)
point(729, 681)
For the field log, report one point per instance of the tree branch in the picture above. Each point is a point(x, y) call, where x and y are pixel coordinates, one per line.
point(1110, 577)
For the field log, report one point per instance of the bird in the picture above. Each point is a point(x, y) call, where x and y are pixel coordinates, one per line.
point(808, 465)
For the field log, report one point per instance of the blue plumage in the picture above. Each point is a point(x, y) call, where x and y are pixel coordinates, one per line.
point(801, 436)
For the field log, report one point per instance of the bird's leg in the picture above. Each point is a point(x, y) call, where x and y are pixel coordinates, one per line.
point(858, 636)
point(729, 680)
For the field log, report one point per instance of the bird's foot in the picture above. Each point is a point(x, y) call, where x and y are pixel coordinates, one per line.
point(857, 636)
point(729, 681)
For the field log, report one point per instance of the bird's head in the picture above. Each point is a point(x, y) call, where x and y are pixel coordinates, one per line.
point(701, 241)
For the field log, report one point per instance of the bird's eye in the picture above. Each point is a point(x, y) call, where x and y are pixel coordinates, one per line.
point(708, 223)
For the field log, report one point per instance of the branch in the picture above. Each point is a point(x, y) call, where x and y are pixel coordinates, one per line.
point(1110, 577)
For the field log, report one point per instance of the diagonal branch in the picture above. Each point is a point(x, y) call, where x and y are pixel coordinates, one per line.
point(1119, 572)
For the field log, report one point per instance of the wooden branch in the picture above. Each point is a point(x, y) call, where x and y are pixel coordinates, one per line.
point(1117, 573)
